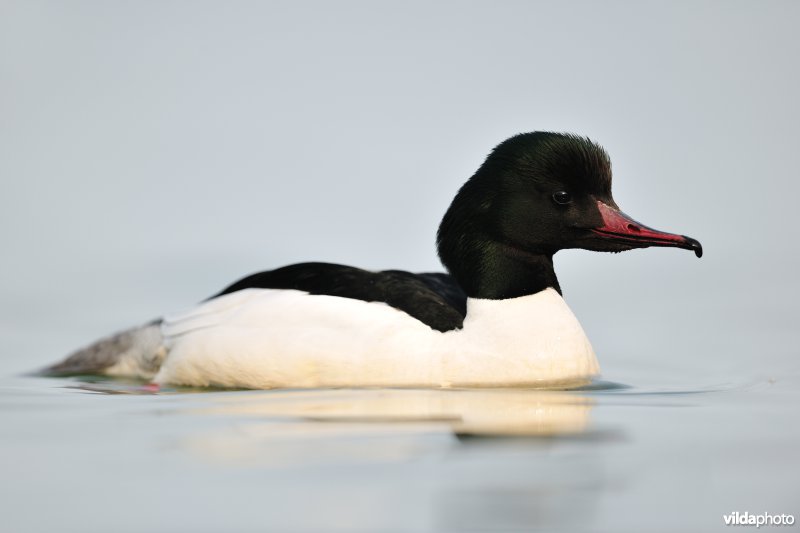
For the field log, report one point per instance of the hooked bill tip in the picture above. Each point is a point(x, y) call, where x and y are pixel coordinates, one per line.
point(695, 245)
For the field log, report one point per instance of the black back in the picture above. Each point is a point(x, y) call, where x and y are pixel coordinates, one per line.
point(432, 298)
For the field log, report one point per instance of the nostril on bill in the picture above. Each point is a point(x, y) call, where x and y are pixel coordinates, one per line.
point(633, 228)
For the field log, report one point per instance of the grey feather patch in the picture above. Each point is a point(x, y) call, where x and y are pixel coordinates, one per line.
point(137, 351)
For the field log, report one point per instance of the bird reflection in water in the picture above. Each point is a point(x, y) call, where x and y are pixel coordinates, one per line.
point(285, 428)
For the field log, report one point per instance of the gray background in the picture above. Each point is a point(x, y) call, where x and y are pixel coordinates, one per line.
point(152, 152)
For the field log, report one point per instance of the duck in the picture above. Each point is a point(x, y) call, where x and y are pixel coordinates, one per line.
point(497, 318)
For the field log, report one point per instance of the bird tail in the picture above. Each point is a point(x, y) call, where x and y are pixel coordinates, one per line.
point(136, 352)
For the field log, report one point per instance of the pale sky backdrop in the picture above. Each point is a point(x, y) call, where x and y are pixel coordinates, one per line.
point(153, 152)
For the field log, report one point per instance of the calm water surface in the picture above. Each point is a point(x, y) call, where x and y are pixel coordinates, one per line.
point(86, 455)
point(690, 425)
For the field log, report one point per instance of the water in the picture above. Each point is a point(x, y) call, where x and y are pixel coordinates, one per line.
point(697, 418)
point(103, 455)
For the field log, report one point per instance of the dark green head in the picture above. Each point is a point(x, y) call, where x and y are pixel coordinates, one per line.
point(535, 194)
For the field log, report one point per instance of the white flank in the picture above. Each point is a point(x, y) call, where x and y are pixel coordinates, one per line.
point(268, 338)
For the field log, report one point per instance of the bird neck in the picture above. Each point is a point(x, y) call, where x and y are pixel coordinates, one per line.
point(483, 265)
point(496, 271)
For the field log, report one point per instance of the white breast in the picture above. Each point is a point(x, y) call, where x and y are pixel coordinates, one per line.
point(265, 338)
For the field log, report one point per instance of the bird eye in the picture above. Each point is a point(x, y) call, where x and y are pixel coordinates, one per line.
point(562, 197)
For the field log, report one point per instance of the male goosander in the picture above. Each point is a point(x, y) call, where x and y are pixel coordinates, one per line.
point(497, 319)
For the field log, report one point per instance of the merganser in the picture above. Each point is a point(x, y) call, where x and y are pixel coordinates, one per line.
point(497, 318)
